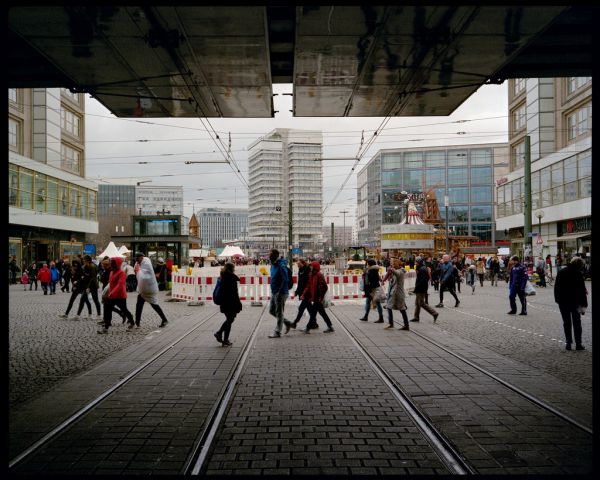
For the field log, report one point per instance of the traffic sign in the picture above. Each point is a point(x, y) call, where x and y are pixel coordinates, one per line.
point(532, 234)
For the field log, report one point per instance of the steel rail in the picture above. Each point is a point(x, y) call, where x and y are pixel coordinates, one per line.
point(82, 411)
point(196, 461)
point(514, 388)
point(449, 456)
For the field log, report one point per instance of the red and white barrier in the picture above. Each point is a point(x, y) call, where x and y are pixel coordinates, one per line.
point(257, 287)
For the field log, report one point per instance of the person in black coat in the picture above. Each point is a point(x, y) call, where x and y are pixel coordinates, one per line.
point(372, 281)
point(571, 295)
point(230, 303)
point(303, 273)
point(420, 291)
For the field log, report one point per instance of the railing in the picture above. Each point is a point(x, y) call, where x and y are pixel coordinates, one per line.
point(255, 288)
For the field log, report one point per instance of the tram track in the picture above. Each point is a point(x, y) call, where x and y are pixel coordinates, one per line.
point(441, 444)
point(201, 446)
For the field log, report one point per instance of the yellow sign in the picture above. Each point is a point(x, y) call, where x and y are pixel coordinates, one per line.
point(406, 236)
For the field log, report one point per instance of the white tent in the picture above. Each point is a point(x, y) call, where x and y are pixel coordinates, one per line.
point(198, 252)
point(232, 251)
point(110, 252)
point(123, 250)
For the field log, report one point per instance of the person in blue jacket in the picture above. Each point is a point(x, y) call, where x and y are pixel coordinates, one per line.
point(54, 278)
point(279, 290)
point(516, 286)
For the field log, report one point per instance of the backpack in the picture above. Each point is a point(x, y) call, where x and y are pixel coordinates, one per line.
point(290, 275)
point(217, 293)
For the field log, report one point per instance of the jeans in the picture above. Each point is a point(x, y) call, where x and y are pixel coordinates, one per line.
point(368, 307)
point(514, 291)
point(52, 288)
point(571, 316)
point(276, 307)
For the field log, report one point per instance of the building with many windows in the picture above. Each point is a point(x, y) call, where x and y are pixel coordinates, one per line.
point(556, 114)
point(52, 207)
point(464, 173)
point(284, 167)
point(217, 225)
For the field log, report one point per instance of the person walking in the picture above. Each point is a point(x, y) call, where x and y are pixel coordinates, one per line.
point(494, 270)
point(25, 280)
point(549, 263)
point(471, 273)
point(279, 290)
point(516, 285)
point(314, 293)
point(303, 273)
point(90, 285)
point(372, 282)
point(44, 276)
point(160, 270)
point(480, 268)
point(147, 288)
point(396, 297)
point(447, 281)
point(13, 269)
point(54, 278)
point(420, 291)
point(78, 288)
point(117, 295)
point(230, 303)
point(571, 295)
point(540, 269)
point(32, 272)
point(66, 276)
point(457, 273)
point(130, 277)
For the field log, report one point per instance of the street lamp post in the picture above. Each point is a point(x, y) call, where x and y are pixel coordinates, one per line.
point(344, 232)
point(446, 204)
point(540, 215)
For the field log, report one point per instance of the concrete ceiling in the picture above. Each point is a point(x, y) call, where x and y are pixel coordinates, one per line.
point(354, 61)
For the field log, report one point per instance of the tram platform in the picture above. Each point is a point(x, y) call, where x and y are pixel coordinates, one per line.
point(310, 404)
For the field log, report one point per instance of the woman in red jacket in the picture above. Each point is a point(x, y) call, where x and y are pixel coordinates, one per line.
point(44, 277)
point(117, 294)
point(315, 293)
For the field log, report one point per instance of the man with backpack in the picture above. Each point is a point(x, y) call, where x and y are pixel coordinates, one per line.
point(279, 289)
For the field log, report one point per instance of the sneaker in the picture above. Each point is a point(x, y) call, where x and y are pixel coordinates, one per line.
point(163, 324)
point(328, 330)
point(275, 335)
point(219, 337)
point(579, 347)
point(363, 319)
point(388, 327)
point(414, 319)
point(227, 343)
point(76, 317)
point(435, 317)
point(104, 330)
point(439, 305)
point(287, 325)
point(63, 315)
point(405, 327)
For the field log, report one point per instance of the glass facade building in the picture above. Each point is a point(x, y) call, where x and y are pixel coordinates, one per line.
point(464, 173)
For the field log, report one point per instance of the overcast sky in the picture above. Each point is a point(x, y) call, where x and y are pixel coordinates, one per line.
point(114, 147)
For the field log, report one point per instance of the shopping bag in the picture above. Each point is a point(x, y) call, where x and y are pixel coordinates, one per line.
point(529, 289)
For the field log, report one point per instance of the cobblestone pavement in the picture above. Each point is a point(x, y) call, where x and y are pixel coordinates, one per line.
point(45, 349)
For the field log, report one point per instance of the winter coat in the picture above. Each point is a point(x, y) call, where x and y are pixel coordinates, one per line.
point(316, 286)
point(279, 277)
point(569, 287)
point(90, 276)
point(480, 265)
point(447, 272)
point(230, 298)
point(303, 274)
point(54, 274)
point(371, 279)
point(495, 266)
point(44, 275)
point(422, 281)
point(396, 299)
point(32, 271)
point(147, 286)
point(116, 281)
point(518, 277)
point(77, 278)
point(471, 275)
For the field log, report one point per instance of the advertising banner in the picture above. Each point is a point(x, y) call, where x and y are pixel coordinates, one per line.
point(407, 237)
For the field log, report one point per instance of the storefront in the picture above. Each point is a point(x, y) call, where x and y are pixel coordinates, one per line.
point(575, 237)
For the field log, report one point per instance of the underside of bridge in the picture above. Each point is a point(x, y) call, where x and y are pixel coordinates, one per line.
point(354, 61)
